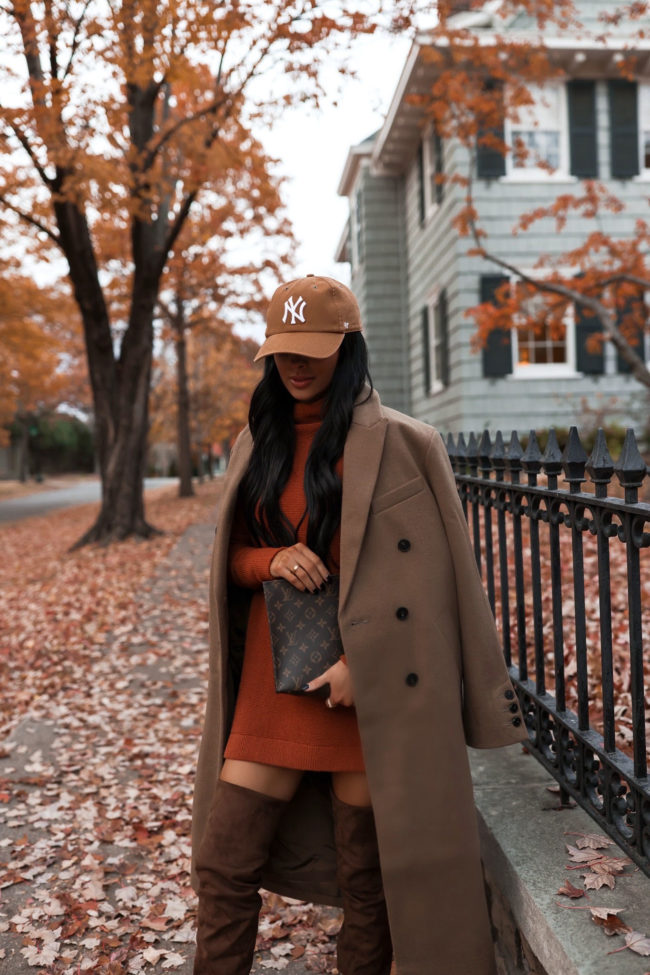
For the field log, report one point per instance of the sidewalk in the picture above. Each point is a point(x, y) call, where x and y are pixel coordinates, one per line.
point(95, 801)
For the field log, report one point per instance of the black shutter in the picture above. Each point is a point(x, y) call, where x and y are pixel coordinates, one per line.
point(421, 177)
point(442, 337)
point(437, 148)
point(582, 129)
point(638, 330)
point(497, 352)
point(591, 363)
point(490, 163)
point(426, 350)
point(623, 129)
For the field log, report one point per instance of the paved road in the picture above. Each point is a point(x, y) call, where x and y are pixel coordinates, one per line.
point(41, 502)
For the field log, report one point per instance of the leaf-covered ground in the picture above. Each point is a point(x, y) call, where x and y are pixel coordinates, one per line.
point(103, 657)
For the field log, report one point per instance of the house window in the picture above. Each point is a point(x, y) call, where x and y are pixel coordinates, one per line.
point(435, 342)
point(544, 350)
point(537, 137)
point(538, 352)
point(432, 168)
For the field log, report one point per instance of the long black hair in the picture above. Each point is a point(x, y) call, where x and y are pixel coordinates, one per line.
point(270, 418)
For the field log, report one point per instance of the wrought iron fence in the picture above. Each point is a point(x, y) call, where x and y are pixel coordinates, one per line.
point(564, 565)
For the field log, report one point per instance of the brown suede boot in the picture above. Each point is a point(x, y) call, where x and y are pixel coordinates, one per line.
point(364, 943)
point(229, 864)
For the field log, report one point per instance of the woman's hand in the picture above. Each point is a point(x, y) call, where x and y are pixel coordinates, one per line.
point(338, 677)
point(299, 566)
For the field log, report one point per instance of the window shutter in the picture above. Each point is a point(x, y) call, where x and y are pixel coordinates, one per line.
point(426, 350)
point(437, 147)
point(641, 311)
point(421, 178)
point(623, 129)
point(490, 164)
point(582, 129)
point(442, 336)
point(587, 324)
point(497, 352)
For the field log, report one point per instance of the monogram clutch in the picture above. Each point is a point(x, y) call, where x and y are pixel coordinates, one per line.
point(305, 636)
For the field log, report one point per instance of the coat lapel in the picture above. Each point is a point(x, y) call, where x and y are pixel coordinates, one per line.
point(361, 460)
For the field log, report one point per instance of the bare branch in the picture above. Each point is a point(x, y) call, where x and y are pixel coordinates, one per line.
point(175, 229)
point(624, 276)
point(28, 218)
point(75, 39)
point(25, 143)
point(181, 123)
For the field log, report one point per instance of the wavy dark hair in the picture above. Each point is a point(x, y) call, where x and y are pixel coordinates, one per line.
point(274, 439)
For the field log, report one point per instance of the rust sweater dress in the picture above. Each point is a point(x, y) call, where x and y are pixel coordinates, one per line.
point(291, 731)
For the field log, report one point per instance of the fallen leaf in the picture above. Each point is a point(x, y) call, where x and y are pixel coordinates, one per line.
point(637, 942)
point(594, 841)
point(594, 881)
point(570, 891)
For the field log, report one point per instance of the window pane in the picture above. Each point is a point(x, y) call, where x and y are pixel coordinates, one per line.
point(646, 149)
point(538, 348)
point(542, 145)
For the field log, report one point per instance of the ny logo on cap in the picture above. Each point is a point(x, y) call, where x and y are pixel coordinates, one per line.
point(296, 308)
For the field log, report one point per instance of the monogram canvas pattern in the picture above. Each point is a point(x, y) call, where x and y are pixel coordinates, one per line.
point(305, 637)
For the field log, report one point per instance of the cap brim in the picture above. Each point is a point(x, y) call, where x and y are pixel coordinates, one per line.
point(316, 345)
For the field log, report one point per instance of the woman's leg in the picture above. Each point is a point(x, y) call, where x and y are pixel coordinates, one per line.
point(270, 780)
point(248, 801)
point(364, 944)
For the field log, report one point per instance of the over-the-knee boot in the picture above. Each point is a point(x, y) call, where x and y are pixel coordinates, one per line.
point(364, 943)
point(229, 865)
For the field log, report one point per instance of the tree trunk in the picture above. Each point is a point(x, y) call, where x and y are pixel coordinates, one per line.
point(23, 449)
point(125, 452)
point(185, 489)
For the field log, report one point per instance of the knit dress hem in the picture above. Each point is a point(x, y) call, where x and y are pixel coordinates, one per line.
point(290, 754)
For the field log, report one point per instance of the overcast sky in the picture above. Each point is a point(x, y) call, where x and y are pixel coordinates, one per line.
point(313, 147)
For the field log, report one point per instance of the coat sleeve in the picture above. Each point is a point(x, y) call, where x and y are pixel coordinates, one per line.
point(491, 713)
point(248, 565)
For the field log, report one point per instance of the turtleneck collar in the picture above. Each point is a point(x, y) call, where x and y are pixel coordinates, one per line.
point(309, 412)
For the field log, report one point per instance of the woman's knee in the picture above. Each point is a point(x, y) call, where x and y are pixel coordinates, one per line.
point(351, 787)
point(270, 780)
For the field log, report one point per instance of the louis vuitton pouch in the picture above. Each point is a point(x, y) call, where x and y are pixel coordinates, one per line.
point(305, 636)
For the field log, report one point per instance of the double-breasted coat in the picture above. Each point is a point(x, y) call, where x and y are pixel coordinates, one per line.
point(428, 675)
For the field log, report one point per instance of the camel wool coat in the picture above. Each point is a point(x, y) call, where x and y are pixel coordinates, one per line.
point(429, 677)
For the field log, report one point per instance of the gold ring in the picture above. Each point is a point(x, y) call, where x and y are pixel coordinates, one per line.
point(295, 568)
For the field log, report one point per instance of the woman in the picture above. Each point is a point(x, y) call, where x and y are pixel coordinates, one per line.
point(326, 479)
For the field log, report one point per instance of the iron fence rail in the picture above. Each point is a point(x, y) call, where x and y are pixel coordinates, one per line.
point(557, 621)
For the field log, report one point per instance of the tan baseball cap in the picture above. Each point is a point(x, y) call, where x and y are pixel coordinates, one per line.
point(310, 316)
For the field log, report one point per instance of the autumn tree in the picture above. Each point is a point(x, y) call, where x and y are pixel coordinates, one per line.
point(205, 291)
point(41, 365)
point(487, 70)
point(220, 379)
point(125, 114)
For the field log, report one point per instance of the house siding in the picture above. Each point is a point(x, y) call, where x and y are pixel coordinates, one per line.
point(431, 256)
point(379, 283)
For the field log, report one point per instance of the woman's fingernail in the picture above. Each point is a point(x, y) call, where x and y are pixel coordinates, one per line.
point(305, 687)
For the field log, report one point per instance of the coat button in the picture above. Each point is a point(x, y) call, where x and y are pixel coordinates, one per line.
point(412, 679)
point(516, 722)
point(402, 613)
point(509, 694)
point(513, 707)
point(404, 545)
